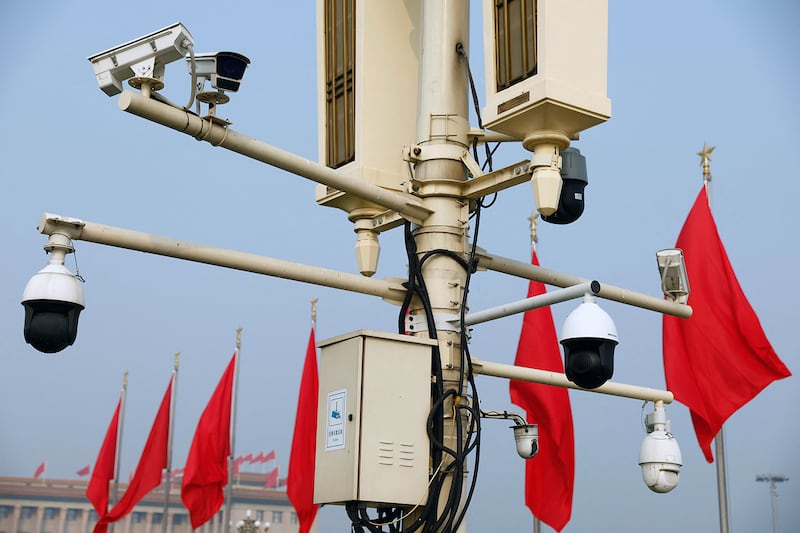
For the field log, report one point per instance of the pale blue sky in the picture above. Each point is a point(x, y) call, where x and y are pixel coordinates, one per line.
point(682, 73)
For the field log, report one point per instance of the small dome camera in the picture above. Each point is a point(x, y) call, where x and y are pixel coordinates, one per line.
point(526, 437)
point(589, 338)
point(660, 455)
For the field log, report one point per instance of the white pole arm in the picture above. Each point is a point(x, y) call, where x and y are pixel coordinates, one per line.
point(213, 131)
point(559, 279)
point(534, 302)
point(533, 375)
point(76, 229)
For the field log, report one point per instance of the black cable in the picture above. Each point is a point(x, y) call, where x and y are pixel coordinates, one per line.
point(467, 439)
point(475, 100)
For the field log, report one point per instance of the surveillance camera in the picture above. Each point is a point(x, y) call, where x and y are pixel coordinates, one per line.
point(142, 58)
point(674, 279)
point(660, 455)
point(224, 70)
point(573, 181)
point(527, 439)
point(53, 300)
point(589, 338)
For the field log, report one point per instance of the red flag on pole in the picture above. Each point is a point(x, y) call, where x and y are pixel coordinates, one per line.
point(268, 457)
point(39, 470)
point(300, 480)
point(97, 489)
point(151, 464)
point(549, 477)
point(719, 359)
point(237, 464)
point(84, 471)
point(206, 472)
point(271, 480)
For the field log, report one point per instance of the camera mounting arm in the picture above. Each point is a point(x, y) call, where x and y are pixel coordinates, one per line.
point(76, 229)
point(407, 205)
point(533, 375)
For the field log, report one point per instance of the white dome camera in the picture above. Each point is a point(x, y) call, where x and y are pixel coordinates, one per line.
point(589, 338)
point(660, 455)
point(527, 439)
point(53, 300)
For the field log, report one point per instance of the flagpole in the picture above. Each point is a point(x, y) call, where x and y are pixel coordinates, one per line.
point(229, 487)
point(168, 478)
point(719, 441)
point(534, 218)
point(115, 485)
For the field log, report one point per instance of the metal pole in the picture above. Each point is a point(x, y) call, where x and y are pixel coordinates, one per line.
point(115, 485)
point(719, 441)
point(534, 218)
point(722, 480)
point(534, 302)
point(218, 135)
point(229, 487)
point(773, 480)
point(560, 279)
point(442, 137)
point(773, 492)
point(76, 229)
point(168, 480)
point(533, 375)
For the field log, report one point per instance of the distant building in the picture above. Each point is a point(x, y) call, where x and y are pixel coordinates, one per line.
point(29, 505)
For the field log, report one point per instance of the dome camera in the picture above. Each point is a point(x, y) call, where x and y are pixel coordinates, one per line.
point(573, 181)
point(589, 338)
point(53, 300)
point(527, 438)
point(660, 455)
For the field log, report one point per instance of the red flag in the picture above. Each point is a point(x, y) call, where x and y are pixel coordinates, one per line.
point(300, 480)
point(271, 480)
point(268, 457)
point(151, 464)
point(97, 489)
point(84, 471)
point(206, 472)
point(719, 359)
point(39, 470)
point(248, 458)
point(549, 477)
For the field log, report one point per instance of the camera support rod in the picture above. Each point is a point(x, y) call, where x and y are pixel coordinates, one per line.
point(545, 377)
point(534, 302)
point(217, 134)
point(559, 279)
point(77, 229)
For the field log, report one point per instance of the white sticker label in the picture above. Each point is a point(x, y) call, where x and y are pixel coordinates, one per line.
point(334, 429)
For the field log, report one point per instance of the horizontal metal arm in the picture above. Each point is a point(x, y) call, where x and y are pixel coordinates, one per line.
point(533, 375)
point(559, 279)
point(534, 302)
point(77, 229)
point(206, 129)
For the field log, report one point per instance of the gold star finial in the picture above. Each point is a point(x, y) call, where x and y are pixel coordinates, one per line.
point(533, 219)
point(314, 310)
point(705, 159)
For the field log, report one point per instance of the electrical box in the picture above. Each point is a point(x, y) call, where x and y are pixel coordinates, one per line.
point(546, 66)
point(374, 400)
point(367, 67)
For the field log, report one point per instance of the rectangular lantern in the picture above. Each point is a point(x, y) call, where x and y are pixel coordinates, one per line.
point(367, 66)
point(546, 66)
